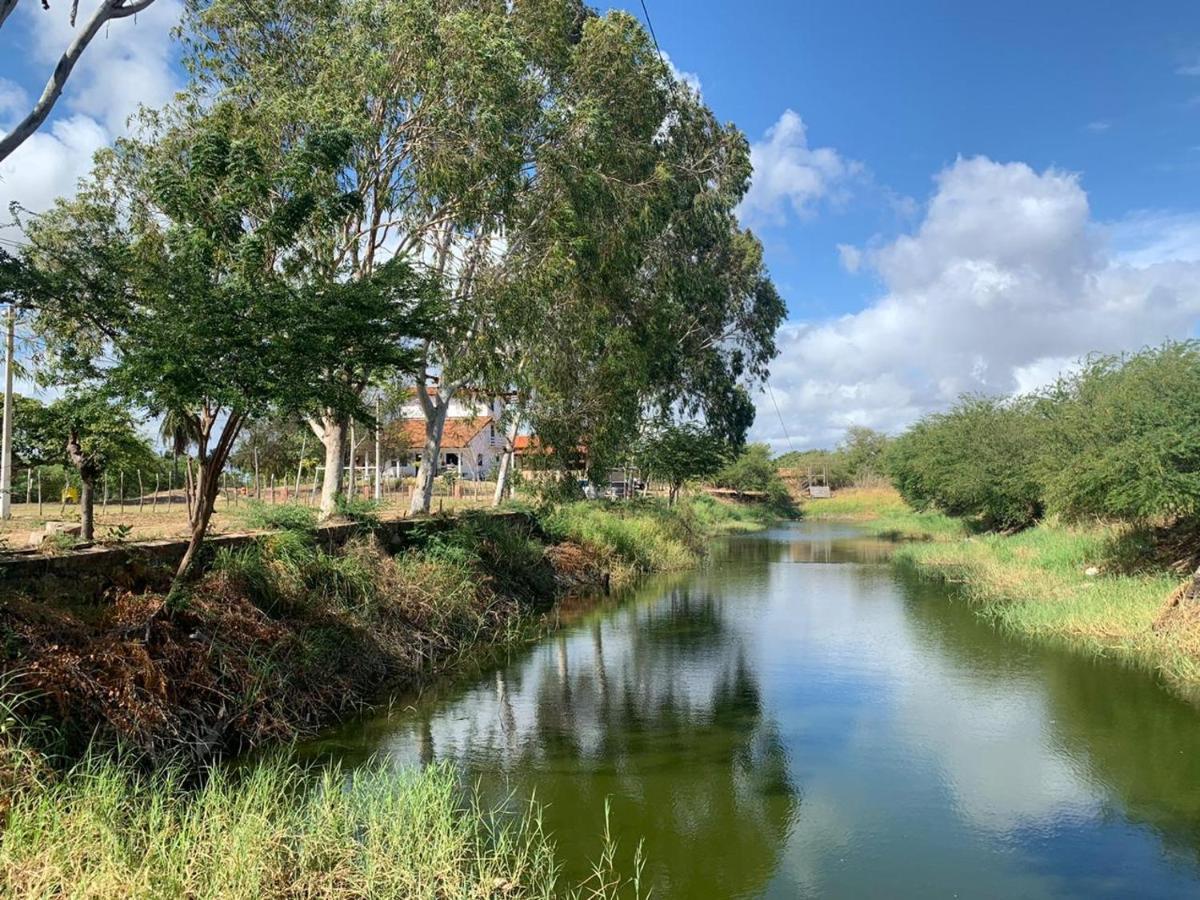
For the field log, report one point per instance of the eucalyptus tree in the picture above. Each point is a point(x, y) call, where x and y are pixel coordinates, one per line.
point(105, 12)
point(667, 309)
point(435, 96)
point(177, 261)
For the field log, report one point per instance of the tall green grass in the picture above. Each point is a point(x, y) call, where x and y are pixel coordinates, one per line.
point(640, 536)
point(881, 511)
point(278, 830)
point(1036, 583)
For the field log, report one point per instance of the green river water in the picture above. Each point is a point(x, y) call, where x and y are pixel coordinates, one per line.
point(799, 718)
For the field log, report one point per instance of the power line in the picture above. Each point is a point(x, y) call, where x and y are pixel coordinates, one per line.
point(650, 27)
point(782, 424)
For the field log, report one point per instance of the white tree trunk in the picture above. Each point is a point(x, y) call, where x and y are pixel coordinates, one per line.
point(435, 423)
point(332, 433)
point(506, 462)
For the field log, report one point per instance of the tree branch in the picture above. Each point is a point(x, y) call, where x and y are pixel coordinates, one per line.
point(108, 10)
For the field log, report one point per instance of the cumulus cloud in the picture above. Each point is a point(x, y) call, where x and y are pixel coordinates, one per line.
point(1005, 281)
point(1192, 68)
point(790, 177)
point(128, 64)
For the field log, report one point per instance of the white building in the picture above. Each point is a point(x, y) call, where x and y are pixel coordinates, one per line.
point(472, 443)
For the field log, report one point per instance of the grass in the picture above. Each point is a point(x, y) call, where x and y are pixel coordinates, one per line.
point(275, 829)
point(1036, 583)
point(881, 511)
point(640, 536)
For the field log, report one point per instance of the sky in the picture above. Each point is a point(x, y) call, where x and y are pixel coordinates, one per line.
point(953, 197)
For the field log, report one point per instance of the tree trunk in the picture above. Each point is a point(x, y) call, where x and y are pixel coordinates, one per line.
point(208, 482)
point(506, 461)
point(87, 508)
point(331, 431)
point(435, 423)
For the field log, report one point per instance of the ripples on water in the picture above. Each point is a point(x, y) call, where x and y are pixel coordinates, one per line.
point(801, 719)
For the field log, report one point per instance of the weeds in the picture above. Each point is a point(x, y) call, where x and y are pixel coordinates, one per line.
point(279, 517)
point(276, 829)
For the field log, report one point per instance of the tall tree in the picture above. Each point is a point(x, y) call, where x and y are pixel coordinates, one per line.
point(432, 96)
point(200, 233)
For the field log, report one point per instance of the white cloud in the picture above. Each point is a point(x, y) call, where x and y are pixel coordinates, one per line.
point(128, 64)
point(50, 163)
point(1005, 281)
point(1192, 68)
point(850, 257)
point(790, 177)
point(691, 79)
point(1099, 126)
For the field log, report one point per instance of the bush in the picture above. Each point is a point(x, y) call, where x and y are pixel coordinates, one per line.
point(979, 460)
point(279, 517)
point(1125, 437)
point(358, 510)
point(755, 472)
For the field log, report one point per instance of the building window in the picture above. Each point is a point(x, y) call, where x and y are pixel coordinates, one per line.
point(493, 431)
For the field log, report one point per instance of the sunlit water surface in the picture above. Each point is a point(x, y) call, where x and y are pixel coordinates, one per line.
point(800, 718)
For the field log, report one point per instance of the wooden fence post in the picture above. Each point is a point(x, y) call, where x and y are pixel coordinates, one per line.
point(122, 492)
point(154, 505)
point(141, 493)
point(39, 481)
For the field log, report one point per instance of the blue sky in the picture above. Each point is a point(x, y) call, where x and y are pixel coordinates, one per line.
point(953, 196)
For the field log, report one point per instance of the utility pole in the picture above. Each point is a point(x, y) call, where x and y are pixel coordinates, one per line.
point(6, 448)
point(378, 450)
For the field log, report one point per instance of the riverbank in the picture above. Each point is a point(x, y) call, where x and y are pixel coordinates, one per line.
point(275, 641)
point(1088, 588)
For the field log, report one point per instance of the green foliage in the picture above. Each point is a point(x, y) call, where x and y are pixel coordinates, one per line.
point(979, 460)
point(278, 446)
point(1124, 441)
point(275, 516)
point(644, 536)
point(754, 471)
point(858, 460)
point(680, 453)
point(358, 510)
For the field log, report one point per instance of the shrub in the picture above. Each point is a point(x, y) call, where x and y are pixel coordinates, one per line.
point(283, 516)
point(1125, 437)
point(755, 472)
point(358, 510)
point(978, 461)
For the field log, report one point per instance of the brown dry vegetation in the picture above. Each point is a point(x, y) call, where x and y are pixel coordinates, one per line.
point(278, 639)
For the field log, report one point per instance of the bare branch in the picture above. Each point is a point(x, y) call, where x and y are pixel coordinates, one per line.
point(108, 10)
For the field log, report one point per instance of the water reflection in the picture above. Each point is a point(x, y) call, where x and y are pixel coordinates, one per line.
point(798, 719)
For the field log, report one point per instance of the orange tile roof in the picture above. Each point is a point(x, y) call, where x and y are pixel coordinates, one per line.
point(457, 434)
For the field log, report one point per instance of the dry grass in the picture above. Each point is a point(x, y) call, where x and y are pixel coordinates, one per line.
point(167, 520)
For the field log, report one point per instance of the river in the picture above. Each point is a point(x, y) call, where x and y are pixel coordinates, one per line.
point(800, 718)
